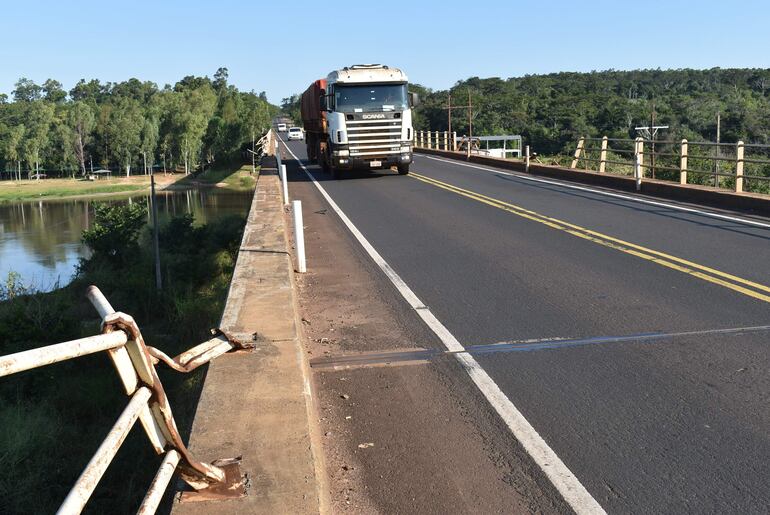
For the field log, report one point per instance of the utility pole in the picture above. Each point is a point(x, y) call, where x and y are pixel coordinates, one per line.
point(652, 152)
point(649, 133)
point(154, 206)
point(716, 161)
point(470, 124)
point(253, 153)
point(449, 113)
point(449, 108)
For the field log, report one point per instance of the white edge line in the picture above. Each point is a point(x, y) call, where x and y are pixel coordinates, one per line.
point(570, 488)
point(605, 193)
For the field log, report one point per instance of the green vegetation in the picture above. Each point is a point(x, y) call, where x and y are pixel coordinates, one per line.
point(235, 177)
point(127, 126)
point(54, 418)
point(552, 111)
point(58, 188)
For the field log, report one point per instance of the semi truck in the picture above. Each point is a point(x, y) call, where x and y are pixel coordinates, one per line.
point(359, 117)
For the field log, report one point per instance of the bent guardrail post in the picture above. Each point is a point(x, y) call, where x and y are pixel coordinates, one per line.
point(135, 364)
point(161, 427)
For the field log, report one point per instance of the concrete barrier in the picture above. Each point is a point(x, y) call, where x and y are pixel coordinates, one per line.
point(749, 202)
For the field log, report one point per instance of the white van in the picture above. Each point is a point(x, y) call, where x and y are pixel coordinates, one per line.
point(281, 127)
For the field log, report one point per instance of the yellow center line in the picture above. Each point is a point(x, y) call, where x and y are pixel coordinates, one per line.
point(705, 273)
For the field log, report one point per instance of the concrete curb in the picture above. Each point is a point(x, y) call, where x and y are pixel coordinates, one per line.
point(749, 202)
point(257, 404)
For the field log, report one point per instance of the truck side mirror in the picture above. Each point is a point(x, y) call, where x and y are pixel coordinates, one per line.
point(414, 99)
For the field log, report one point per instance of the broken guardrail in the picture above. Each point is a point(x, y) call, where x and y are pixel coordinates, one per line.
point(135, 363)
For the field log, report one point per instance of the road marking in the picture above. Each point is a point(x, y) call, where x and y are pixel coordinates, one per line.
point(705, 273)
point(641, 200)
point(570, 488)
point(425, 355)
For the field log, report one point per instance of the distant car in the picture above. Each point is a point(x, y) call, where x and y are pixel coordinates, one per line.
point(281, 127)
point(296, 133)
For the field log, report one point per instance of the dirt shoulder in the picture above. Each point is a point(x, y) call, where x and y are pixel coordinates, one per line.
point(406, 438)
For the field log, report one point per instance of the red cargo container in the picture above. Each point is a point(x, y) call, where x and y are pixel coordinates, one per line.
point(313, 118)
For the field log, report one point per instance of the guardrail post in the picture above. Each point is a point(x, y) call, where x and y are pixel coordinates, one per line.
point(638, 170)
point(639, 149)
point(603, 155)
point(454, 140)
point(299, 235)
point(438, 141)
point(526, 159)
point(578, 151)
point(446, 140)
point(739, 149)
point(683, 163)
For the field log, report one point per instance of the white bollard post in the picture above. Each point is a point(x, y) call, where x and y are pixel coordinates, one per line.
point(526, 159)
point(285, 186)
point(638, 171)
point(299, 235)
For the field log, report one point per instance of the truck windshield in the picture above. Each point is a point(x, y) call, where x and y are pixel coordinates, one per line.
point(370, 97)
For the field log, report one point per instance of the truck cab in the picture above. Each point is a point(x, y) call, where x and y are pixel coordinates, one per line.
point(368, 119)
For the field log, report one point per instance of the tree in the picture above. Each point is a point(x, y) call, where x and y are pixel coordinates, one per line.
point(191, 121)
point(149, 142)
point(81, 120)
point(53, 92)
point(125, 128)
point(26, 91)
point(39, 117)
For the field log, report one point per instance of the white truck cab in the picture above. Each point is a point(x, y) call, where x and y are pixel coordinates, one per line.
point(369, 117)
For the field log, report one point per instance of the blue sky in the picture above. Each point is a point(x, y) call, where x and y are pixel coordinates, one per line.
point(280, 47)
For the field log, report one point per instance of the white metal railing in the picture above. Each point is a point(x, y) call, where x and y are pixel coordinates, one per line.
point(724, 165)
point(135, 363)
point(511, 144)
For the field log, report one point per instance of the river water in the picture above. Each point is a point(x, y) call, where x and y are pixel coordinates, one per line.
point(41, 240)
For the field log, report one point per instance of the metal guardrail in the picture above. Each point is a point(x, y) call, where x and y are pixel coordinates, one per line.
point(135, 363)
point(451, 141)
point(724, 160)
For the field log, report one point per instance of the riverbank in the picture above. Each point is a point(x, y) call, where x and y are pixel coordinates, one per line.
point(235, 177)
point(56, 417)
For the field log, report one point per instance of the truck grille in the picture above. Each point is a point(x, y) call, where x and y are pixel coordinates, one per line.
point(374, 138)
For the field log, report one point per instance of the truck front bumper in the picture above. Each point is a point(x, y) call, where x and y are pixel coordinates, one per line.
point(370, 162)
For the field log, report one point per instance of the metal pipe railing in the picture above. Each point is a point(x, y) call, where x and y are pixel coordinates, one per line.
point(135, 363)
point(646, 159)
point(42, 356)
point(78, 497)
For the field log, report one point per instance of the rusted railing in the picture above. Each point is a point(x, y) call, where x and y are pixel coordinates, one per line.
point(135, 364)
point(737, 166)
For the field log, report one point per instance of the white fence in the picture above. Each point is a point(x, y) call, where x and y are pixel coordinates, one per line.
point(736, 166)
point(135, 362)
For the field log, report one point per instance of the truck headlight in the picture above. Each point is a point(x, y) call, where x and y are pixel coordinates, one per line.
point(406, 149)
point(341, 152)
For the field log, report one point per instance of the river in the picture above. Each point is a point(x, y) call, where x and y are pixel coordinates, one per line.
point(41, 240)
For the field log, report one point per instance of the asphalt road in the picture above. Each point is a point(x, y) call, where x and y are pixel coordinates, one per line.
point(666, 425)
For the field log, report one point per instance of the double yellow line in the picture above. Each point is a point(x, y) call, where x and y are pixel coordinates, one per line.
point(738, 284)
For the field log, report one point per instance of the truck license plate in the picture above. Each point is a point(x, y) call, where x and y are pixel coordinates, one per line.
point(375, 164)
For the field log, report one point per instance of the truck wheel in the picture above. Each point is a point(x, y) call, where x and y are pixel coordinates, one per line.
point(310, 152)
point(403, 169)
point(336, 172)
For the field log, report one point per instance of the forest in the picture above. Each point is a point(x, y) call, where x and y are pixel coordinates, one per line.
point(552, 111)
point(128, 127)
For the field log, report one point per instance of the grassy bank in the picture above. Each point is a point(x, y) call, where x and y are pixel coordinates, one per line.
point(54, 418)
point(232, 177)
